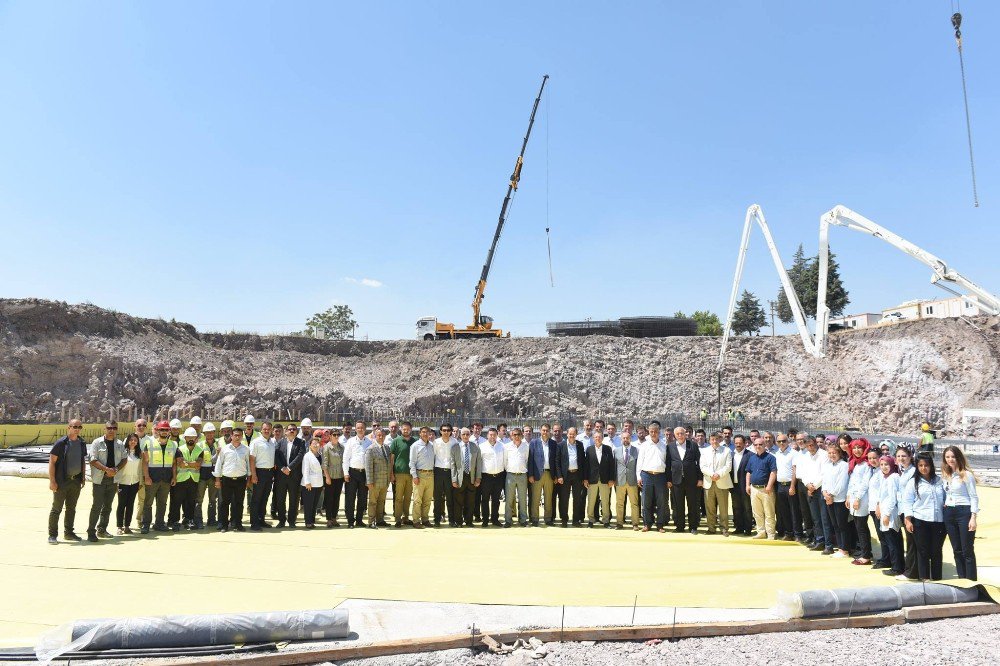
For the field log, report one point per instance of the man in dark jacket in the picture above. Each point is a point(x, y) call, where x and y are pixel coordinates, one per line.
point(742, 515)
point(685, 480)
point(600, 478)
point(572, 464)
point(288, 460)
point(67, 460)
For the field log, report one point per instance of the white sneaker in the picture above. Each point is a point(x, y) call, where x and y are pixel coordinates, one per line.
point(902, 577)
point(839, 554)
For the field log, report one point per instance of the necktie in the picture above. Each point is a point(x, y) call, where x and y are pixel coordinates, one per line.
point(465, 458)
point(626, 456)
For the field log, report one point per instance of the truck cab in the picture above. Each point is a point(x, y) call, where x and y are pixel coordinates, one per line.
point(427, 328)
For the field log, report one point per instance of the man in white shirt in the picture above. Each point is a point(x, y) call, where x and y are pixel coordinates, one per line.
point(261, 474)
point(800, 495)
point(717, 467)
point(232, 478)
point(355, 482)
point(600, 479)
point(789, 520)
point(572, 459)
point(584, 436)
point(492, 452)
point(742, 511)
point(809, 471)
point(652, 466)
point(515, 462)
point(502, 435)
point(444, 498)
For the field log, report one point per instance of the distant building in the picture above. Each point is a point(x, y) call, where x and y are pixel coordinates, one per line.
point(954, 306)
point(863, 320)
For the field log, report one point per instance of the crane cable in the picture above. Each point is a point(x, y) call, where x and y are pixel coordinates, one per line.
point(956, 22)
point(548, 236)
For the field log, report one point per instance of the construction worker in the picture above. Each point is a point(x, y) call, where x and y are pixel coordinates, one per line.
point(188, 461)
point(703, 416)
point(210, 450)
point(159, 475)
point(175, 436)
point(926, 437)
point(145, 440)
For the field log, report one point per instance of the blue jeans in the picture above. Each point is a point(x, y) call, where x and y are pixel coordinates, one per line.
point(956, 522)
point(823, 529)
point(654, 499)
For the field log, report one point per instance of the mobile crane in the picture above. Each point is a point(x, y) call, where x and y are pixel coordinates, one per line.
point(429, 328)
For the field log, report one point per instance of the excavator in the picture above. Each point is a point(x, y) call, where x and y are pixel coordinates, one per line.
point(429, 328)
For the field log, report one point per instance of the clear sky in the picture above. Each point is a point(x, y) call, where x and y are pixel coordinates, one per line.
point(242, 165)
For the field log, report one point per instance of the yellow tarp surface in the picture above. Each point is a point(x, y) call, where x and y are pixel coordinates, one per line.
point(209, 572)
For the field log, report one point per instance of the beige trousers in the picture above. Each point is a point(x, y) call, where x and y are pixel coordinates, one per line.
point(545, 485)
point(402, 492)
point(717, 507)
point(376, 503)
point(423, 495)
point(604, 491)
point(632, 494)
point(762, 504)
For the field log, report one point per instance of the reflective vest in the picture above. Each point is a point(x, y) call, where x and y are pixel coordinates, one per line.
point(160, 456)
point(207, 453)
point(192, 454)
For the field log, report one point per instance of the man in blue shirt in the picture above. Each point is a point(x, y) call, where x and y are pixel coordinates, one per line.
point(762, 474)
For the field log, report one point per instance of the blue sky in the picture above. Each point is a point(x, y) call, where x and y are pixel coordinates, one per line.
point(330, 144)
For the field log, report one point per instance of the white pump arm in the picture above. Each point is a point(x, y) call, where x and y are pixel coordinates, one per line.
point(845, 217)
point(754, 213)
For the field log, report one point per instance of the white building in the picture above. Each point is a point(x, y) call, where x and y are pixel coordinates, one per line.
point(954, 306)
point(863, 320)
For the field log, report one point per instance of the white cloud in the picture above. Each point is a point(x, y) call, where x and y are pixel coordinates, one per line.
point(365, 282)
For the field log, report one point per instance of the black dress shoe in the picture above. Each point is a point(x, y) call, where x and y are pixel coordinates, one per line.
point(679, 530)
point(817, 546)
point(222, 528)
point(694, 531)
point(382, 523)
point(71, 536)
point(240, 528)
point(92, 537)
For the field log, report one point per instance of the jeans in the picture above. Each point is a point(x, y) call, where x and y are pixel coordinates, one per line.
point(654, 499)
point(126, 504)
point(956, 523)
point(822, 527)
point(809, 527)
point(516, 490)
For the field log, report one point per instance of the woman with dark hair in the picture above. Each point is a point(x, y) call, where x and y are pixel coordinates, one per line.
point(844, 443)
point(961, 504)
point(923, 504)
point(904, 461)
point(312, 478)
point(127, 478)
point(874, 497)
point(887, 513)
point(834, 486)
point(860, 471)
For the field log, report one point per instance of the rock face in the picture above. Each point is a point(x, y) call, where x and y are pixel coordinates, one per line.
point(60, 357)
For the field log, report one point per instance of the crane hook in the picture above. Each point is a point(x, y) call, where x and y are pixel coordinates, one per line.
point(956, 21)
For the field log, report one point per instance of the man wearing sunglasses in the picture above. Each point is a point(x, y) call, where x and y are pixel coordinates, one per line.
point(160, 475)
point(66, 479)
point(105, 453)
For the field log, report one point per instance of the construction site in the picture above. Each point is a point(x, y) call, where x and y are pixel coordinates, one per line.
point(81, 382)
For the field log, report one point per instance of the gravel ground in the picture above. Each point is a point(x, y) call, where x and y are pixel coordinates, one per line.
point(923, 643)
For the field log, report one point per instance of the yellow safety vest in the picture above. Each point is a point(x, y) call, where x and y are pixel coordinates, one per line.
point(193, 454)
point(206, 456)
point(160, 456)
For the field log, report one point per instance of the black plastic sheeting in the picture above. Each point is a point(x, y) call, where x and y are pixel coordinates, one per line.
point(28, 654)
point(816, 603)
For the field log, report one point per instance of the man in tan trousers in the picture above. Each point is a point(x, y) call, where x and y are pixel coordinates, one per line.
point(716, 466)
point(377, 478)
point(422, 473)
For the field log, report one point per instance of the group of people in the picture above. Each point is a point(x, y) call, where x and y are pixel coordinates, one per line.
point(817, 490)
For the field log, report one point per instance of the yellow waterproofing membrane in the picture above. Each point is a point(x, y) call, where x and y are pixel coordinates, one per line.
point(210, 572)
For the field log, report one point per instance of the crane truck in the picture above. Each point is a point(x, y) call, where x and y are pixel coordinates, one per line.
point(429, 328)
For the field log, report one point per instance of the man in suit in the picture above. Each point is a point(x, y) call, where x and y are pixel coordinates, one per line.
point(685, 480)
point(572, 459)
point(288, 460)
point(466, 475)
point(717, 479)
point(626, 481)
point(742, 514)
point(601, 474)
point(543, 473)
point(377, 478)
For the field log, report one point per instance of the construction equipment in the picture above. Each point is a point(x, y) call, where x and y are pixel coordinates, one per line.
point(429, 328)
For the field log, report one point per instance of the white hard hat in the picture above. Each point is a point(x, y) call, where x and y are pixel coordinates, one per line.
point(190, 432)
point(209, 427)
point(306, 423)
point(175, 423)
point(195, 420)
point(248, 418)
point(226, 424)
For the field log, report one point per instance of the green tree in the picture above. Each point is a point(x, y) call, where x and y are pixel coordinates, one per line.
point(749, 316)
point(335, 323)
point(798, 275)
point(837, 298)
point(708, 323)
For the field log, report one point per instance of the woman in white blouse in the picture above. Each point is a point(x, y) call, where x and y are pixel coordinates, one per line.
point(858, 499)
point(887, 512)
point(127, 478)
point(835, 495)
point(312, 478)
point(961, 505)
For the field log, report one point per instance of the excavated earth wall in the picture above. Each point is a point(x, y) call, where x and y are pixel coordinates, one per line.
point(89, 360)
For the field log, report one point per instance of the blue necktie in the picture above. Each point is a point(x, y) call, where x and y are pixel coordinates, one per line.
point(465, 457)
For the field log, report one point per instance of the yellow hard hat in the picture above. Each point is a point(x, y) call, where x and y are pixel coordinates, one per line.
point(925, 427)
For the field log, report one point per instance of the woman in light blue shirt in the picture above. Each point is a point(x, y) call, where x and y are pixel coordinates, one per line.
point(887, 513)
point(961, 504)
point(835, 494)
point(904, 460)
point(857, 502)
point(924, 507)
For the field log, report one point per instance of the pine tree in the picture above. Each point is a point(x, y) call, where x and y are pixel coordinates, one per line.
point(749, 316)
point(837, 298)
point(798, 276)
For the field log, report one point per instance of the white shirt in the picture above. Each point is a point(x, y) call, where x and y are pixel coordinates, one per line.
point(599, 451)
point(312, 470)
point(574, 464)
point(652, 456)
point(342, 439)
point(515, 458)
point(130, 473)
point(505, 440)
point(809, 467)
point(354, 454)
point(492, 455)
point(262, 451)
point(233, 461)
point(545, 450)
point(442, 452)
point(785, 460)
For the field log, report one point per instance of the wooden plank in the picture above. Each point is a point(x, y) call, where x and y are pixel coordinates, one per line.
point(940, 611)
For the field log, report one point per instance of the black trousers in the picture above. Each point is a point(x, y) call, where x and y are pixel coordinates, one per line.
point(572, 488)
point(126, 504)
point(894, 542)
point(288, 493)
point(930, 541)
point(231, 501)
point(357, 497)
point(956, 523)
point(464, 501)
point(258, 499)
point(310, 498)
point(687, 491)
point(489, 494)
point(864, 536)
point(882, 536)
point(331, 498)
point(444, 498)
point(839, 520)
point(782, 509)
point(477, 504)
point(183, 496)
point(100, 510)
point(742, 512)
point(654, 499)
point(910, 552)
point(805, 511)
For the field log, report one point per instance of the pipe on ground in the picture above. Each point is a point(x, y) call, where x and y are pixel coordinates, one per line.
point(818, 603)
